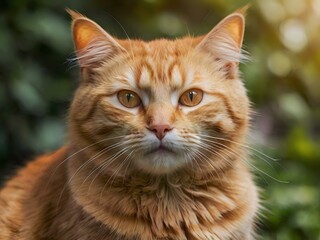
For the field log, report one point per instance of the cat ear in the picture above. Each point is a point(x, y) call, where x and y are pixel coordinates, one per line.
point(224, 42)
point(92, 44)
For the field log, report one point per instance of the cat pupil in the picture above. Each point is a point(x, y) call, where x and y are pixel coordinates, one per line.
point(129, 96)
point(191, 95)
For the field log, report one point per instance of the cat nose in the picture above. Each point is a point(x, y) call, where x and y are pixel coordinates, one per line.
point(160, 130)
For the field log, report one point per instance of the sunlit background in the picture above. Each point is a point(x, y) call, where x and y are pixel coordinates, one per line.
point(283, 81)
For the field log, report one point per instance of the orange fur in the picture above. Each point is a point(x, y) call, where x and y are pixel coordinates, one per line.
point(118, 177)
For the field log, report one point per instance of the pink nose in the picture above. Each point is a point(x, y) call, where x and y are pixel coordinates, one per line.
point(160, 130)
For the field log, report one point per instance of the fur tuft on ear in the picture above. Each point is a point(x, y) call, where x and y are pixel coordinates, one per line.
point(73, 14)
point(243, 10)
point(93, 45)
point(224, 42)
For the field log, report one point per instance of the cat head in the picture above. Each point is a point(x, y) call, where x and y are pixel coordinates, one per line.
point(160, 106)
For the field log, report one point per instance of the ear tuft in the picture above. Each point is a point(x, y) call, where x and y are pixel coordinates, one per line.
point(93, 45)
point(74, 14)
point(224, 42)
point(243, 10)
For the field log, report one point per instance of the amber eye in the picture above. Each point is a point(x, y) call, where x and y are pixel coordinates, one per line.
point(191, 97)
point(128, 98)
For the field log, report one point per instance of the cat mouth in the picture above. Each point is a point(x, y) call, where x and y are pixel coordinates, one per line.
point(161, 149)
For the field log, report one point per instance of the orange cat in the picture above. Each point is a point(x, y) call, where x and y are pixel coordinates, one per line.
point(156, 145)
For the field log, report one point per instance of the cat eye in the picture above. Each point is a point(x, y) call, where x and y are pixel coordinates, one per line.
point(128, 98)
point(191, 97)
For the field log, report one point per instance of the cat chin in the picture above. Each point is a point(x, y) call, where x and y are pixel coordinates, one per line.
point(161, 162)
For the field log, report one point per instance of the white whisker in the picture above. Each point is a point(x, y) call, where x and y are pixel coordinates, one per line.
point(103, 151)
point(79, 151)
point(240, 144)
point(116, 172)
point(230, 150)
point(108, 162)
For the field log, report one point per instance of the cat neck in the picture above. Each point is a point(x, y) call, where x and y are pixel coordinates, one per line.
point(147, 205)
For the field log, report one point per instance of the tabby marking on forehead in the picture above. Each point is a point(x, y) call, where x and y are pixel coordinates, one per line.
point(130, 77)
point(144, 80)
point(176, 76)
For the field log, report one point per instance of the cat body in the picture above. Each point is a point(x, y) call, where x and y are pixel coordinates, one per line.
point(156, 145)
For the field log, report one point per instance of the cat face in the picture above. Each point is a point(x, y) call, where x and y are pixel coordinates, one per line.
point(163, 105)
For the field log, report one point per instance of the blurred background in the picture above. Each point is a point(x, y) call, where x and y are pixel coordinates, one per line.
point(283, 81)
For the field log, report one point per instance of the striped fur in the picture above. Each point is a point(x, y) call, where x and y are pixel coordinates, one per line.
point(108, 182)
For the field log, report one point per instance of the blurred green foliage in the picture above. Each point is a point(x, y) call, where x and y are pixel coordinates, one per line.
point(283, 36)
